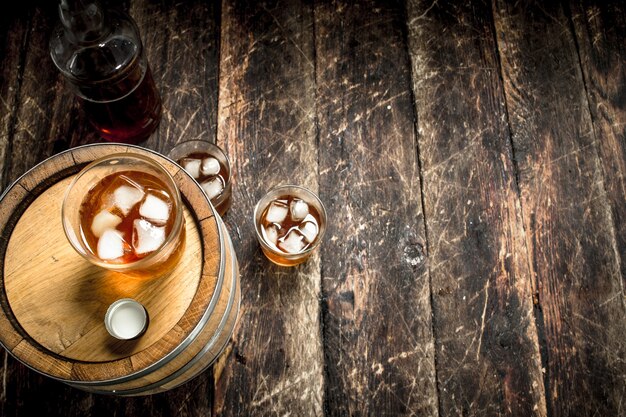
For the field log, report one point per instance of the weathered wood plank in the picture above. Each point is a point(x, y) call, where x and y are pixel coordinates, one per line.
point(488, 361)
point(34, 112)
point(567, 217)
point(266, 123)
point(600, 29)
point(182, 47)
point(28, 393)
point(571, 159)
point(15, 28)
point(379, 353)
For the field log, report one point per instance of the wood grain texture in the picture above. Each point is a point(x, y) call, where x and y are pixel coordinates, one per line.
point(266, 124)
point(15, 30)
point(68, 128)
point(37, 107)
point(182, 47)
point(600, 29)
point(24, 140)
point(69, 322)
point(191, 81)
point(487, 358)
point(376, 296)
point(192, 309)
point(567, 218)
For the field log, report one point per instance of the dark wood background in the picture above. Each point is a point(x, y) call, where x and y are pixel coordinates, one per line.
point(472, 157)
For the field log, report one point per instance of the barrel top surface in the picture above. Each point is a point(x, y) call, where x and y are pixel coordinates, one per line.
point(54, 301)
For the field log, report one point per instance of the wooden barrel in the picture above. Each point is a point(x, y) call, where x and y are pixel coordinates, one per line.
point(53, 301)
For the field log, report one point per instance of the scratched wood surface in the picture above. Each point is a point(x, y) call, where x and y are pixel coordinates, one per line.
point(266, 121)
point(570, 232)
point(377, 327)
point(478, 259)
point(472, 157)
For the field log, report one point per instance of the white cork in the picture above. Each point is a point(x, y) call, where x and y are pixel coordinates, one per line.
point(126, 319)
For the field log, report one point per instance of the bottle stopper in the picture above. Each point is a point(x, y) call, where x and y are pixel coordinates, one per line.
point(126, 319)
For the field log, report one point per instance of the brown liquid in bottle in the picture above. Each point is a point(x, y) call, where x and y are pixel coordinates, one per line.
point(130, 119)
point(100, 53)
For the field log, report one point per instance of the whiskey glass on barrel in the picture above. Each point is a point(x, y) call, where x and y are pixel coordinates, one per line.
point(123, 212)
point(209, 165)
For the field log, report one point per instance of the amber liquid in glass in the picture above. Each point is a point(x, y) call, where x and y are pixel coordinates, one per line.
point(222, 201)
point(285, 227)
point(223, 174)
point(100, 198)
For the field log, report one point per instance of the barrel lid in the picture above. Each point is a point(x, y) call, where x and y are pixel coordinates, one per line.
point(53, 302)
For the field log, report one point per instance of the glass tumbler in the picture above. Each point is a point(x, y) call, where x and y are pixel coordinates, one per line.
point(290, 222)
point(208, 164)
point(123, 212)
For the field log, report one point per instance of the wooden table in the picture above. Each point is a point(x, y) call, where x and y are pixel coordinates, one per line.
point(473, 162)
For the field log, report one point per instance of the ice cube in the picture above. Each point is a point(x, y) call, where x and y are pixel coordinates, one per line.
point(111, 245)
point(299, 210)
point(213, 187)
point(270, 233)
point(210, 166)
point(192, 166)
point(155, 209)
point(309, 231)
point(102, 221)
point(292, 242)
point(147, 237)
point(126, 196)
point(276, 212)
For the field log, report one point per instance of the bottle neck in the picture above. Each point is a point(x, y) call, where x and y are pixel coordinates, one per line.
point(83, 20)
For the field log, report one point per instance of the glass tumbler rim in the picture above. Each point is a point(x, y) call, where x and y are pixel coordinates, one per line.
point(76, 240)
point(188, 142)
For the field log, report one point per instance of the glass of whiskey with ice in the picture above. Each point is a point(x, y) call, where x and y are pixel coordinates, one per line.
point(123, 212)
point(208, 164)
point(290, 222)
